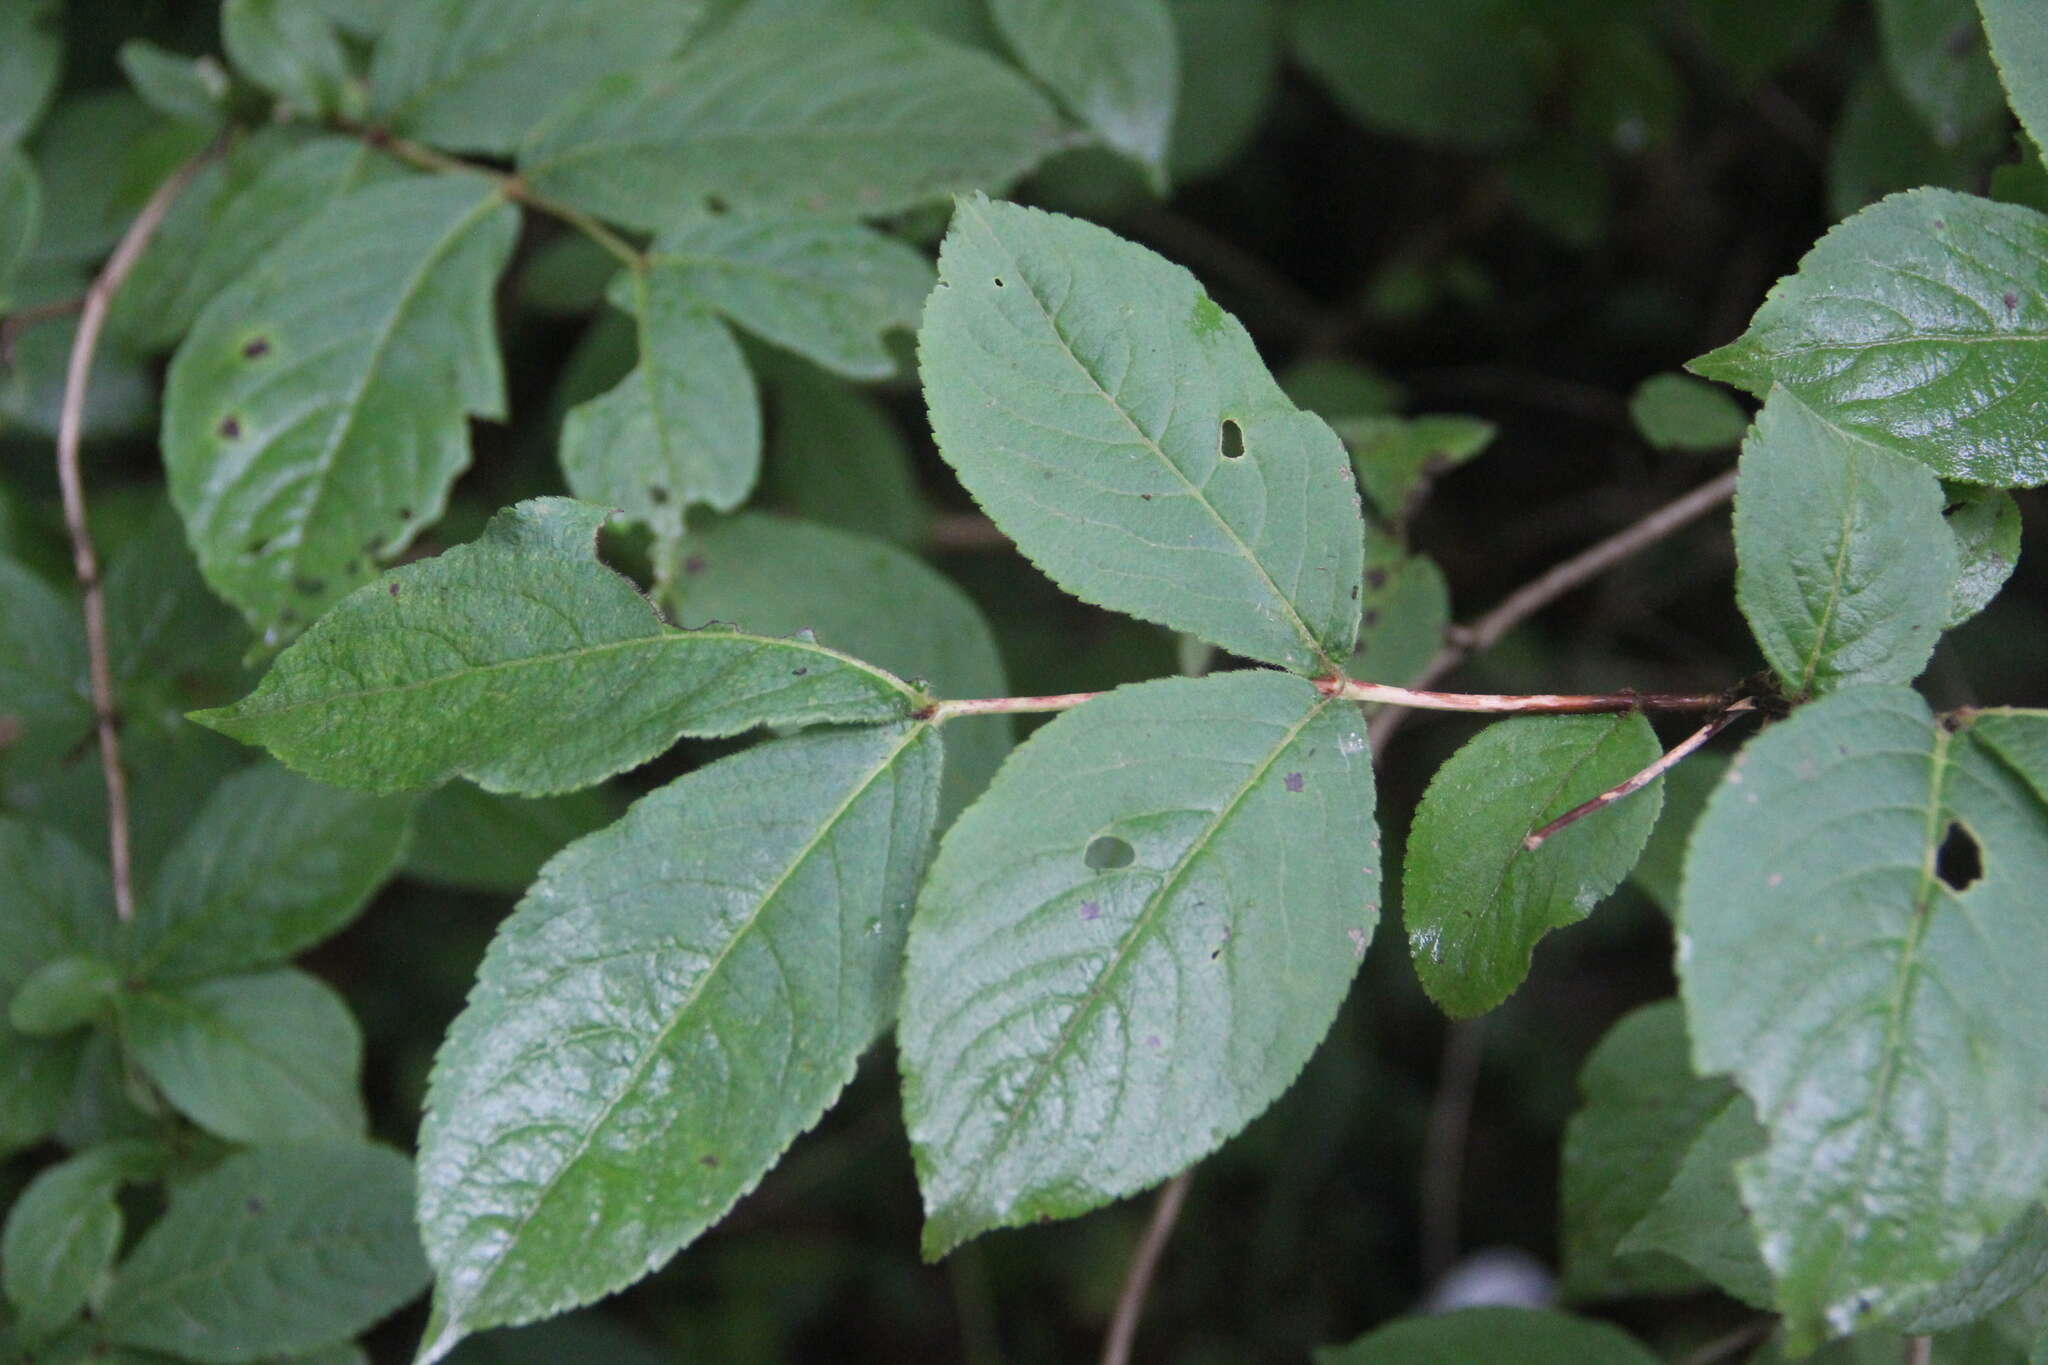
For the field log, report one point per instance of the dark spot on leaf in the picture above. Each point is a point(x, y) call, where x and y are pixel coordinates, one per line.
point(230, 428)
point(694, 564)
point(2012, 301)
point(1144, 497)
point(309, 587)
point(1091, 910)
point(258, 546)
point(1293, 782)
point(1941, 225)
point(1231, 442)
point(1375, 579)
point(256, 1206)
point(1354, 592)
point(405, 514)
point(657, 495)
point(714, 204)
point(1372, 618)
point(1960, 861)
point(1152, 1040)
point(798, 672)
point(708, 1162)
point(394, 590)
point(1106, 852)
point(255, 348)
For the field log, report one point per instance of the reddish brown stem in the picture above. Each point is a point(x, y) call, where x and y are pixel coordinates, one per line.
point(1350, 689)
point(1664, 764)
point(1130, 1301)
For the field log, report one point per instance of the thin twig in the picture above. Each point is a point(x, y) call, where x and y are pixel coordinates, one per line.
point(1130, 1301)
point(15, 323)
point(1664, 764)
point(1443, 1149)
point(92, 316)
point(1384, 694)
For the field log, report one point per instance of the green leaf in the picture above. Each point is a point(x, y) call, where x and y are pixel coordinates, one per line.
point(775, 576)
point(828, 291)
point(44, 710)
point(836, 456)
point(467, 838)
point(2008, 1265)
point(36, 1080)
point(63, 1231)
point(290, 48)
point(161, 618)
point(1986, 525)
point(1106, 979)
point(683, 428)
point(1677, 412)
point(1115, 63)
point(272, 864)
point(101, 154)
point(1661, 869)
point(1699, 1219)
point(21, 210)
point(30, 49)
point(2021, 739)
point(1881, 145)
point(1476, 900)
point(1396, 458)
point(1917, 325)
point(1843, 564)
point(1407, 610)
point(1885, 1022)
point(275, 1251)
point(1936, 54)
point(2018, 31)
point(475, 76)
point(1491, 1336)
point(63, 994)
point(270, 1057)
point(55, 902)
point(521, 662)
point(1120, 427)
point(192, 89)
point(1754, 38)
point(669, 1007)
point(1229, 67)
point(1643, 1108)
point(831, 117)
point(1459, 71)
point(315, 415)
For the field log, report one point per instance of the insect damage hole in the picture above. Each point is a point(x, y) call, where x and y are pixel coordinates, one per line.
point(1231, 440)
point(1106, 852)
point(1960, 860)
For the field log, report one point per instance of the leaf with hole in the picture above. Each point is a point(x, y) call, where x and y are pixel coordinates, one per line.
point(317, 411)
point(1115, 63)
point(1120, 427)
point(675, 1000)
point(1860, 950)
point(1843, 564)
point(1476, 900)
point(521, 662)
point(1130, 946)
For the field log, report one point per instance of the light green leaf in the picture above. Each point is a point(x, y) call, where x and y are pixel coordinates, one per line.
point(521, 662)
point(63, 994)
point(1407, 609)
point(21, 210)
point(1986, 525)
point(1492, 1336)
point(31, 48)
point(63, 1231)
point(289, 48)
point(475, 75)
point(1643, 1108)
point(1936, 54)
point(272, 864)
point(836, 456)
point(275, 1251)
point(1661, 870)
point(2018, 30)
point(676, 999)
point(192, 89)
point(683, 428)
point(467, 838)
point(832, 117)
point(1918, 324)
point(1120, 427)
point(775, 576)
point(1396, 458)
point(1130, 946)
point(1678, 412)
point(315, 415)
point(1459, 71)
point(828, 291)
point(1476, 900)
point(1229, 66)
point(1115, 63)
point(270, 1057)
point(44, 709)
point(1699, 1219)
point(1843, 564)
point(1885, 1022)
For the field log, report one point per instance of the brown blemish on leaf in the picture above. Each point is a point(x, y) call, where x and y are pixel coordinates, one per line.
point(1293, 782)
point(1091, 910)
point(394, 590)
point(1375, 579)
point(230, 427)
point(255, 348)
point(708, 1162)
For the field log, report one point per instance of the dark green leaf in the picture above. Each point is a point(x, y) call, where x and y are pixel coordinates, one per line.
point(828, 291)
point(1699, 1218)
point(826, 116)
point(188, 88)
point(1115, 63)
point(36, 1080)
point(290, 48)
point(1678, 412)
point(316, 413)
point(275, 1251)
point(1753, 38)
point(677, 998)
point(1881, 145)
point(270, 1057)
point(30, 48)
point(2021, 739)
point(161, 618)
point(1492, 1336)
point(63, 1231)
point(475, 75)
point(101, 154)
point(468, 838)
point(1476, 900)
point(63, 994)
point(1229, 66)
point(1936, 53)
point(2018, 31)
point(523, 663)
point(1916, 324)
point(1121, 428)
point(1986, 525)
point(835, 456)
point(1843, 564)
point(1130, 946)
point(1661, 869)
point(43, 709)
point(1459, 71)
point(1879, 1005)
point(1407, 609)
point(21, 211)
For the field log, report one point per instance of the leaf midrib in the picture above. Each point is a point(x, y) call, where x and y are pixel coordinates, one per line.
point(1811, 666)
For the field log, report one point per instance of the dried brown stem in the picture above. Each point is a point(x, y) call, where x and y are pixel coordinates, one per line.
point(1664, 764)
point(1130, 1300)
point(92, 317)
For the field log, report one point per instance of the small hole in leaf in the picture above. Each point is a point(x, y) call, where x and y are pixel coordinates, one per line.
point(999, 282)
point(1106, 852)
point(1960, 861)
point(1232, 441)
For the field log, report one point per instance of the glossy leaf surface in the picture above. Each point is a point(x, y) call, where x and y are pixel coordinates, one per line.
point(1115, 63)
point(1130, 946)
point(1122, 429)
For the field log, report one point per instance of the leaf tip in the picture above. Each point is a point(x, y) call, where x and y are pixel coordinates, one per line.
point(443, 1334)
